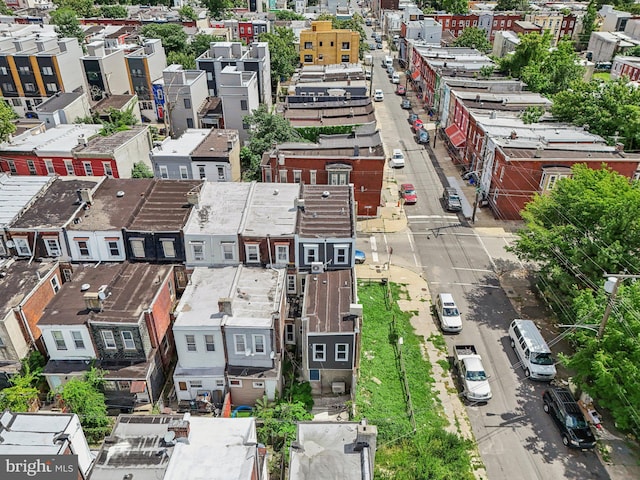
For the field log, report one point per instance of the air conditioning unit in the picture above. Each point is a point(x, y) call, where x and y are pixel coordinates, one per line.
point(338, 387)
point(193, 198)
point(317, 267)
point(84, 195)
point(355, 309)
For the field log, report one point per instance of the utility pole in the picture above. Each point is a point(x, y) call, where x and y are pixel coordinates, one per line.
point(371, 79)
point(614, 281)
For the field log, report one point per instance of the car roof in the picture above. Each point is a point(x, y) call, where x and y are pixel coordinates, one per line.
point(396, 150)
point(408, 186)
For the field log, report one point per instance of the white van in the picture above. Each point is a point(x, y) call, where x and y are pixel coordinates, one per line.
point(395, 77)
point(388, 61)
point(448, 313)
point(533, 352)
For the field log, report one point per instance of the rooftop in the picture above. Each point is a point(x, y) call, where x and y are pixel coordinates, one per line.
point(566, 152)
point(271, 210)
point(57, 102)
point(166, 207)
point(326, 215)
point(130, 289)
point(101, 145)
point(60, 139)
point(56, 206)
point(216, 144)
point(18, 278)
point(16, 193)
point(499, 101)
point(112, 101)
point(328, 300)
point(183, 145)
point(114, 203)
point(220, 209)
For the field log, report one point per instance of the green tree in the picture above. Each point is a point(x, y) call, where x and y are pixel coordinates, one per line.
point(589, 22)
point(508, 5)
point(601, 106)
point(473, 37)
point(284, 57)
point(201, 43)
point(83, 397)
point(217, 8)
point(187, 60)
point(21, 394)
point(532, 114)
point(141, 170)
point(288, 15)
point(554, 71)
point(4, 10)
point(533, 48)
point(355, 24)
point(456, 7)
point(265, 129)
point(82, 8)
point(173, 36)
point(187, 12)
point(67, 24)
point(7, 115)
point(114, 11)
point(634, 51)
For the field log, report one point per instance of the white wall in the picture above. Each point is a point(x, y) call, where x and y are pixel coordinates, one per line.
point(134, 151)
point(72, 352)
point(97, 245)
point(201, 357)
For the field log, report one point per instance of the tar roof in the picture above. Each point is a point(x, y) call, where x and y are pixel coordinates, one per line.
point(216, 144)
point(271, 210)
point(112, 101)
point(328, 300)
point(58, 101)
point(166, 207)
point(219, 210)
point(18, 192)
point(130, 290)
point(111, 143)
point(33, 433)
point(327, 212)
point(583, 153)
point(18, 279)
point(114, 202)
point(56, 206)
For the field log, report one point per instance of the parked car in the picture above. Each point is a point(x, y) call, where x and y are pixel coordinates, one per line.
point(422, 136)
point(417, 125)
point(390, 70)
point(448, 313)
point(360, 256)
point(406, 104)
point(379, 45)
point(378, 95)
point(367, 74)
point(451, 199)
point(395, 77)
point(408, 193)
point(397, 159)
point(401, 90)
point(413, 117)
point(566, 414)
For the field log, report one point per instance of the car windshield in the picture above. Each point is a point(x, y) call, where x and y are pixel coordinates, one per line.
point(409, 191)
point(575, 422)
point(476, 376)
point(542, 359)
point(451, 312)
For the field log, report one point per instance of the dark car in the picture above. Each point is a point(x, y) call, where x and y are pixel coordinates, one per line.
point(422, 136)
point(379, 46)
point(566, 414)
point(451, 199)
point(406, 104)
point(413, 117)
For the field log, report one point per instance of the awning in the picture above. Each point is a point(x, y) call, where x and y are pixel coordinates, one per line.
point(137, 387)
point(455, 135)
point(415, 75)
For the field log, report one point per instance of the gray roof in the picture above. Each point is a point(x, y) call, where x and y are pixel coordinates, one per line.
point(271, 210)
point(16, 193)
point(100, 144)
point(220, 209)
point(33, 433)
point(59, 101)
point(328, 299)
point(327, 216)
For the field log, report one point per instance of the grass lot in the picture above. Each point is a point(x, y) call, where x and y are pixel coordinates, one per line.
point(430, 452)
point(604, 76)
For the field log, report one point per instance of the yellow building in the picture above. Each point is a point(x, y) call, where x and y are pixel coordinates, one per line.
point(322, 45)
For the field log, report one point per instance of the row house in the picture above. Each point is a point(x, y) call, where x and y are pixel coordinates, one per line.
point(502, 21)
point(229, 335)
point(454, 24)
point(356, 159)
point(625, 66)
point(207, 154)
point(115, 317)
point(63, 107)
point(324, 45)
point(249, 31)
point(184, 93)
point(549, 21)
point(76, 149)
point(35, 67)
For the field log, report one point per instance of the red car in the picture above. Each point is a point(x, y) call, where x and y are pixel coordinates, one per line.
point(401, 90)
point(417, 125)
point(408, 193)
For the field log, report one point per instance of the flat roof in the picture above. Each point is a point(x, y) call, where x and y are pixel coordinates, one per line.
point(326, 215)
point(57, 204)
point(271, 210)
point(220, 209)
point(17, 192)
point(578, 152)
point(328, 297)
point(109, 210)
point(112, 101)
point(166, 207)
point(216, 144)
point(183, 145)
point(111, 143)
point(60, 139)
point(33, 433)
point(130, 289)
point(58, 101)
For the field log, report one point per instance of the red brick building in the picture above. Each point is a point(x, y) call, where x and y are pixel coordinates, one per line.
point(503, 21)
point(455, 24)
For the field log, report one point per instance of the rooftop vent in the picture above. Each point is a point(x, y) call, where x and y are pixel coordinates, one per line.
point(326, 194)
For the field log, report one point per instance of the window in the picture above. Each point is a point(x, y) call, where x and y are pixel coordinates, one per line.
point(297, 176)
point(168, 248)
point(197, 249)
point(242, 30)
point(201, 172)
point(291, 284)
point(24, 70)
point(32, 167)
point(77, 340)
point(235, 383)
point(332, 44)
point(187, 103)
point(227, 251)
point(290, 334)
point(68, 164)
point(312, 177)
point(210, 76)
point(189, 122)
point(88, 168)
point(191, 343)
point(184, 172)
point(47, 71)
point(340, 254)
point(243, 105)
point(164, 171)
point(29, 87)
point(342, 352)
point(310, 253)
point(83, 248)
point(338, 178)
point(308, 59)
point(59, 339)
point(258, 384)
point(308, 45)
point(108, 339)
point(127, 338)
point(124, 385)
point(52, 246)
point(221, 175)
point(195, 383)
point(182, 386)
point(240, 343)
point(345, 59)
point(3, 70)
point(345, 46)
point(52, 87)
point(283, 176)
point(252, 253)
point(49, 166)
point(113, 247)
point(267, 175)
point(55, 284)
point(22, 246)
point(12, 166)
point(3, 251)
point(282, 253)
point(319, 352)
point(314, 375)
point(258, 344)
point(137, 247)
point(107, 168)
point(209, 343)
point(8, 87)
point(220, 383)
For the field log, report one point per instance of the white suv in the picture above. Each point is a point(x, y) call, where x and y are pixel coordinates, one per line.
point(378, 95)
point(397, 159)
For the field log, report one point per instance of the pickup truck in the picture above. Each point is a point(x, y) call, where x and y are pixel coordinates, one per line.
point(473, 378)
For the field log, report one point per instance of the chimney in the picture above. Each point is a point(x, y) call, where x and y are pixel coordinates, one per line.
point(513, 135)
point(356, 150)
point(224, 306)
point(180, 427)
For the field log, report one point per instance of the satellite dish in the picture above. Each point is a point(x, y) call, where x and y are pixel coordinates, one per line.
point(10, 244)
point(169, 436)
point(85, 287)
point(102, 295)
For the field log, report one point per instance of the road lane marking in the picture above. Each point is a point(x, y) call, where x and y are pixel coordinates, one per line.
point(374, 249)
point(473, 269)
point(413, 250)
point(467, 284)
